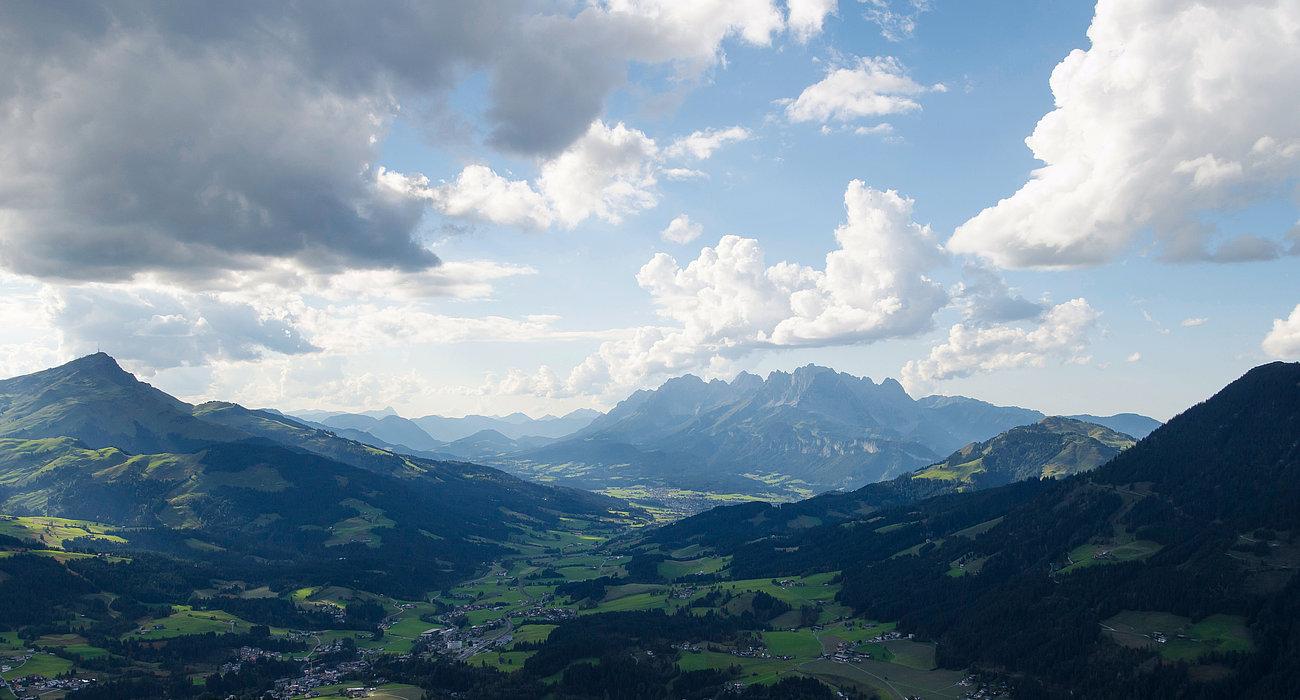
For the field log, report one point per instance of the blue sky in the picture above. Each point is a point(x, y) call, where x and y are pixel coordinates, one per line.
point(1153, 266)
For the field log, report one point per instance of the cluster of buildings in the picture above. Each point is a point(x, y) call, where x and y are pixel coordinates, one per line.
point(540, 613)
point(982, 689)
point(462, 642)
point(335, 612)
point(683, 592)
point(845, 654)
point(16, 661)
point(36, 685)
point(313, 678)
point(248, 655)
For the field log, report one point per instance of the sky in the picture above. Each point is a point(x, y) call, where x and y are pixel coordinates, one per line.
point(461, 208)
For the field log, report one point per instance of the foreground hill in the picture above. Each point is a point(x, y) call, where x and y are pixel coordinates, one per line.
point(1169, 571)
point(224, 483)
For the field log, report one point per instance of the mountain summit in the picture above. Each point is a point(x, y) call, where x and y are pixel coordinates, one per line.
point(95, 401)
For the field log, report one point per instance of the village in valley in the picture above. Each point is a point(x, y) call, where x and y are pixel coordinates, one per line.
point(501, 618)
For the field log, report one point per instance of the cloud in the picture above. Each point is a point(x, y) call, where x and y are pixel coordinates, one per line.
point(700, 145)
point(683, 174)
point(895, 24)
point(1283, 342)
point(1135, 357)
point(882, 129)
point(190, 140)
point(611, 172)
point(984, 297)
point(356, 328)
point(162, 328)
point(554, 75)
point(871, 87)
point(1062, 333)
point(1175, 112)
point(30, 342)
point(729, 301)
point(479, 193)
point(806, 17)
point(1193, 322)
point(608, 173)
point(681, 230)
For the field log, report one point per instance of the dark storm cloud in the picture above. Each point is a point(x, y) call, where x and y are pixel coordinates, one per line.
point(192, 138)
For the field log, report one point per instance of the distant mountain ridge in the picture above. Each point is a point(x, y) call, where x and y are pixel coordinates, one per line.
point(810, 430)
point(432, 433)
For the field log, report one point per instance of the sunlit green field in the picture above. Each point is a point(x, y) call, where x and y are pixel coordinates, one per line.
point(41, 664)
point(73, 643)
point(503, 660)
point(533, 633)
point(1183, 640)
point(53, 532)
point(1088, 554)
point(185, 620)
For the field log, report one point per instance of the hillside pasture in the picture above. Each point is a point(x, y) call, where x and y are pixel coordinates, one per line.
point(1176, 638)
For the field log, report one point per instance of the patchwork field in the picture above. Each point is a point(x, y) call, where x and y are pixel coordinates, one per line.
point(390, 691)
point(54, 532)
point(890, 680)
point(504, 660)
point(72, 643)
point(40, 664)
point(673, 569)
point(1098, 554)
point(186, 620)
point(1175, 637)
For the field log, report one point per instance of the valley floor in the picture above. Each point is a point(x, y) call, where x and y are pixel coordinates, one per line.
point(505, 616)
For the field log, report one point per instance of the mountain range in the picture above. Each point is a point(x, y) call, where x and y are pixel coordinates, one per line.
point(803, 432)
point(87, 440)
point(1057, 558)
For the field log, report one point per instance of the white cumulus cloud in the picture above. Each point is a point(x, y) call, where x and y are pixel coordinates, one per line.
point(681, 230)
point(700, 145)
point(729, 301)
point(1177, 110)
point(1062, 333)
point(869, 87)
point(806, 17)
point(1283, 342)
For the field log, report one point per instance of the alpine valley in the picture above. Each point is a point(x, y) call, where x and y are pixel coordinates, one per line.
point(153, 548)
point(692, 443)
